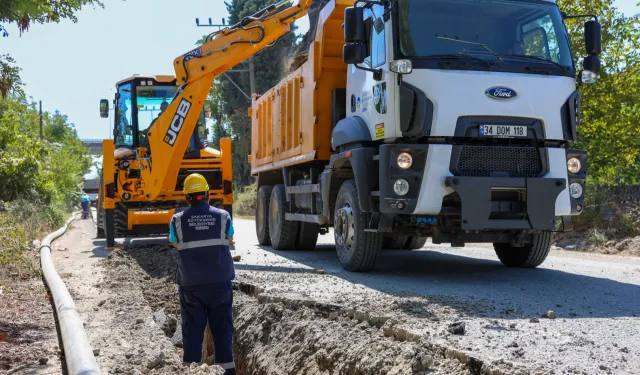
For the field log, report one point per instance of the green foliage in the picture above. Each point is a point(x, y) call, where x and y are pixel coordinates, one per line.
point(610, 108)
point(49, 170)
point(22, 221)
point(25, 12)
point(10, 81)
point(229, 105)
point(244, 201)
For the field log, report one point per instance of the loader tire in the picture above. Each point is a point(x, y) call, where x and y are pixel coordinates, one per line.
point(109, 227)
point(357, 249)
point(530, 256)
point(100, 212)
point(262, 215)
point(415, 243)
point(283, 233)
point(307, 236)
point(394, 243)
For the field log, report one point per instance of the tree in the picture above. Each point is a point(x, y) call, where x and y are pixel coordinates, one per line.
point(610, 108)
point(10, 81)
point(229, 105)
point(25, 12)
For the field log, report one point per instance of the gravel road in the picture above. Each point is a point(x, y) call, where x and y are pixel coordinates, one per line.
point(595, 300)
point(577, 314)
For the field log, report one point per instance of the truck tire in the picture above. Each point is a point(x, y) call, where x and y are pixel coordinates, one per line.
point(229, 209)
point(394, 243)
point(357, 249)
point(262, 215)
point(307, 236)
point(530, 256)
point(415, 243)
point(283, 233)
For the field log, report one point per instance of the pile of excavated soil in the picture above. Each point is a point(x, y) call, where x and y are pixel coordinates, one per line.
point(144, 301)
point(276, 335)
point(582, 241)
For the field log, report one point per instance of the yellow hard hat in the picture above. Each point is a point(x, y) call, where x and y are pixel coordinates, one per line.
point(195, 183)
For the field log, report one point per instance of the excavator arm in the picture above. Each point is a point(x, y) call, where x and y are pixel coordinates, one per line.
point(196, 71)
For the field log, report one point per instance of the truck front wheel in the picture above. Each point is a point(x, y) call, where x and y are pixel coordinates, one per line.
point(283, 233)
point(262, 215)
point(357, 249)
point(529, 256)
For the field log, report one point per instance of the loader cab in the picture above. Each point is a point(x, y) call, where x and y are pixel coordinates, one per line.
point(138, 103)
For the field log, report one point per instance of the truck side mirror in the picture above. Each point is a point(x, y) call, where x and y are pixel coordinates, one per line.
point(593, 37)
point(354, 53)
point(354, 27)
point(591, 65)
point(104, 108)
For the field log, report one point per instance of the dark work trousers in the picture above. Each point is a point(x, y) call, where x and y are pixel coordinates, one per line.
point(213, 302)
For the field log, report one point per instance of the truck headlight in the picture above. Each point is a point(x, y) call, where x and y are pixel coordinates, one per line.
point(575, 190)
point(574, 165)
point(405, 160)
point(401, 187)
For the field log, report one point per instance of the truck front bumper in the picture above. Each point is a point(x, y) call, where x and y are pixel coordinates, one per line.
point(477, 206)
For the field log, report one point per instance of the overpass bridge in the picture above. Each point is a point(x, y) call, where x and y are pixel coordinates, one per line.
point(95, 145)
point(91, 185)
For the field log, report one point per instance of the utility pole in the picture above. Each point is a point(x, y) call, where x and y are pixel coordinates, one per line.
point(251, 70)
point(41, 137)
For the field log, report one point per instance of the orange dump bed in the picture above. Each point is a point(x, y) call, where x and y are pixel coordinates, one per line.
point(292, 122)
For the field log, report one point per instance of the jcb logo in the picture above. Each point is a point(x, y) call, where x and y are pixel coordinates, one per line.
point(176, 123)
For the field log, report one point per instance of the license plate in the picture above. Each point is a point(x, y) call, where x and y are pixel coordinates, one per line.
point(503, 131)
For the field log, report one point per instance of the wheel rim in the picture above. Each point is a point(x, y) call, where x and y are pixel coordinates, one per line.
point(273, 217)
point(344, 226)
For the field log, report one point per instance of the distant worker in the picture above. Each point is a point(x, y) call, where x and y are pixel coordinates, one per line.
point(85, 201)
point(201, 234)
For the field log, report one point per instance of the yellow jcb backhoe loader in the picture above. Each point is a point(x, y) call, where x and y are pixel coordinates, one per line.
point(146, 162)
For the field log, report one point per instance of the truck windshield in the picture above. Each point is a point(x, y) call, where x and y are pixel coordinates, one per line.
point(511, 31)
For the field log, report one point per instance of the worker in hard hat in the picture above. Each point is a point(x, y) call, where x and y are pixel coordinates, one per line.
point(205, 269)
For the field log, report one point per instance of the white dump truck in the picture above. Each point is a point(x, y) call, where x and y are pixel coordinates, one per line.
point(448, 119)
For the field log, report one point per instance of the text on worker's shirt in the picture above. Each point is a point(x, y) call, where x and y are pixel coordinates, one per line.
point(201, 222)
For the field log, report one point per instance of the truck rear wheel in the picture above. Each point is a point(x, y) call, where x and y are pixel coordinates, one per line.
point(415, 243)
point(283, 233)
point(530, 256)
point(307, 236)
point(357, 249)
point(262, 215)
point(394, 243)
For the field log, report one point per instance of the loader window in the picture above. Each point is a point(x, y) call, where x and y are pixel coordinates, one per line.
point(123, 128)
point(151, 101)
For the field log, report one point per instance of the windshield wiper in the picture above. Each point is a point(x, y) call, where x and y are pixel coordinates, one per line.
point(460, 56)
point(473, 43)
point(537, 58)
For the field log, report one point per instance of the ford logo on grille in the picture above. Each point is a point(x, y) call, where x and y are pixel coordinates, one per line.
point(503, 93)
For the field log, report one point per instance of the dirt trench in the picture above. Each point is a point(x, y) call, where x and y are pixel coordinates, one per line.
point(276, 335)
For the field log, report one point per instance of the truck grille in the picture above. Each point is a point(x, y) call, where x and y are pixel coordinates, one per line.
point(482, 161)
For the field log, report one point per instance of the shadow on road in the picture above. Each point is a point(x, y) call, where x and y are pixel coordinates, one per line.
point(479, 287)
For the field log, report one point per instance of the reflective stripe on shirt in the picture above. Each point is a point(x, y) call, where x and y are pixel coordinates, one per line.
point(203, 243)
